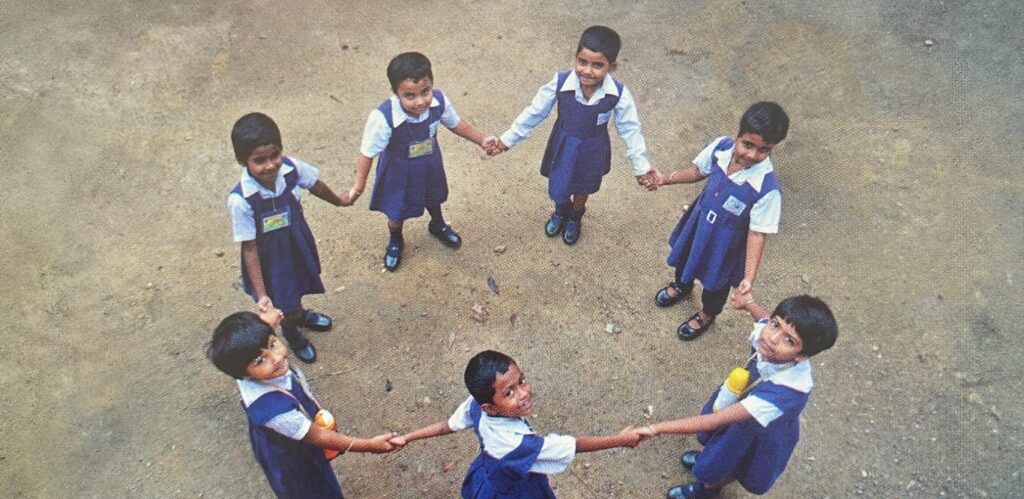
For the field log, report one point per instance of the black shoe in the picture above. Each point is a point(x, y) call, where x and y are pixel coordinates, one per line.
point(692, 490)
point(555, 225)
point(687, 333)
point(573, 228)
point(445, 234)
point(392, 257)
point(663, 299)
point(316, 322)
point(300, 345)
point(689, 458)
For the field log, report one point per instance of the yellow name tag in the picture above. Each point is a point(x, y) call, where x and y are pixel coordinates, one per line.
point(421, 148)
point(277, 219)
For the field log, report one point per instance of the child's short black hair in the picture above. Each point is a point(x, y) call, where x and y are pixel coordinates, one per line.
point(408, 66)
point(766, 119)
point(601, 39)
point(812, 320)
point(482, 370)
point(238, 340)
point(251, 131)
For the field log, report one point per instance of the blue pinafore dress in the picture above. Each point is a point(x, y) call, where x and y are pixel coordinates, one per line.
point(288, 255)
point(404, 186)
point(752, 454)
point(710, 240)
point(508, 477)
point(295, 469)
point(579, 152)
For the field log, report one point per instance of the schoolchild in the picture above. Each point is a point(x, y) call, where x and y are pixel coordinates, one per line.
point(280, 408)
point(410, 176)
point(280, 263)
point(578, 153)
point(720, 239)
point(514, 460)
point(749, 435)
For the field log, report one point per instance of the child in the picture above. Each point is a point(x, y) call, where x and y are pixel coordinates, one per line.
point(410, 173)
point(279, 258)
point(751, 441)
point(280, 408)
point(514, 461)
point(719, 240)
point(578, 153)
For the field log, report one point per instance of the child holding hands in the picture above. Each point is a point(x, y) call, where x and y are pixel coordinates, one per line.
point(280, 408)
point(720, 239)
point(578, 153)
point(749, 436)
point(514, 461)
point(410, 172)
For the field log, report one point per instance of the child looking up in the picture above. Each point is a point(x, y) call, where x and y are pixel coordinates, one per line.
point(280, 408)
point(410, 173)
point(751, 440)
point(578, 153)
point(280, 263)
point(720, 239)
point(514, 461)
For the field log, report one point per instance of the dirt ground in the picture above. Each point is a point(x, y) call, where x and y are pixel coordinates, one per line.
point(901, 209)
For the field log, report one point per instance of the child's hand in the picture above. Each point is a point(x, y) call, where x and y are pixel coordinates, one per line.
point(741, 300)
point(497, 147)
point(650, 180)
point(647, 432)
point(272, 317)
point(631, 436)
point(746, 285)
point(398, 442)
point(380, 444)
point(349, 198)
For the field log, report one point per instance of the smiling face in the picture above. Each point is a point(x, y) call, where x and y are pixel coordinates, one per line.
point(271, 363)
point(415, 95)
point(513, 396)
point(263, 164)
point(591, 68)
point(779, 342)
point(751, 149)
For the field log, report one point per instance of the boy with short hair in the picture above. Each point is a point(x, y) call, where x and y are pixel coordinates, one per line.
point(514, 461)
point(751, 439)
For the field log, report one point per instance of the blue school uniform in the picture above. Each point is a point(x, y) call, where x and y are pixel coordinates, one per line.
point(295, 469)
point(755, 451)
point(287, 252)
point(578, 152)
point(404, 185)
point(710, 240)
point(514, 462)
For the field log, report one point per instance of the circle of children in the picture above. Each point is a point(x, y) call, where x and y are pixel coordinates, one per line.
point(750, 424)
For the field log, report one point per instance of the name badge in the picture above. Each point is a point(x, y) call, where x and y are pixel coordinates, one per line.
point(734, 206)
point(421, 148)
point(277, 219)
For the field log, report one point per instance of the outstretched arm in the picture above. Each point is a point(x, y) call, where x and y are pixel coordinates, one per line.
point(326, 439)
point(466, 131)
point(435, 430)
point(322, 191)
point(628, 437)
point(745, 301)
point(687, 175)
point(734, 413)
point(359, 185)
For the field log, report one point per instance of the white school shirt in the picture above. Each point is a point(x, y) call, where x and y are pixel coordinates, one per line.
point(627, 119)
point(293, 424)
point(797, 377)
point(502, 435)
point(242, 222)
point(377, 133)
point(767, 211)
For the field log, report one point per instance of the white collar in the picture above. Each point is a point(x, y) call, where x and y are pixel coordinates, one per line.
point(399, 116)
point(753, 175)
point(252, 390)
point(608, 87)
point(251, 186)
point(501, 435)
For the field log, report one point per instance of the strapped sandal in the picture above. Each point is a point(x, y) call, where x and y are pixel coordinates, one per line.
point(686, 333)
point(663, 299)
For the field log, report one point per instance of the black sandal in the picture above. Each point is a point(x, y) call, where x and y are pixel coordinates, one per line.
point(686, 333)
point(663, 299)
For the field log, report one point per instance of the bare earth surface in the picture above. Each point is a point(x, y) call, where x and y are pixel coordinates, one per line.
point(903, 209)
